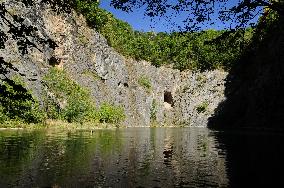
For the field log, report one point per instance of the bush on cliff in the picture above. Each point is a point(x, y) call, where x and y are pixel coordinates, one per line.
point(108, 113)
point(19, 104)
point(67, 100)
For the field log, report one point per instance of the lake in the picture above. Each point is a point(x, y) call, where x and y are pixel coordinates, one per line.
point(141, 157)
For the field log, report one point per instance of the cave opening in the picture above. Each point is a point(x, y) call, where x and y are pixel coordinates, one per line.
point(168, 98)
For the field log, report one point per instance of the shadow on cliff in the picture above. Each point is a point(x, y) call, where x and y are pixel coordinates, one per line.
point(254, 87)
point(254, 92)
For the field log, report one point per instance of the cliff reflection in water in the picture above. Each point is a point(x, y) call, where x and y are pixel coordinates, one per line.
point(134, 157)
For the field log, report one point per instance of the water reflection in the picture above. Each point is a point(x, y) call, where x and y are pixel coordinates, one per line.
point(134, 157)
point(254, 158)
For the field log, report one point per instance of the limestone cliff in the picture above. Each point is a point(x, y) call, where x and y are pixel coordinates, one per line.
point(171, 97)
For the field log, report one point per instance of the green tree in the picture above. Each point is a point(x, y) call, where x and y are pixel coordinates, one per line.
point(239, 13)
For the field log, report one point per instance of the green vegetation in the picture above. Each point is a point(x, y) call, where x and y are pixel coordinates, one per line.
point(202, 107)
point(83, 39)
point(184, 50)
point(146, 83)
point(3, 116)
point(153, 110)
point(68, 101)
point(110, 113)
point(266, 25)
point(95, 16)
point(18, 104)
point(64, 100)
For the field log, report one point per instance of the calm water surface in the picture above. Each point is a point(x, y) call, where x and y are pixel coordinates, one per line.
point(140, 157)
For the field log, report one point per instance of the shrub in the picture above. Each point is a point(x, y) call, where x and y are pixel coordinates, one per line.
point(153, 110)
point(3, 116)
point(79, 106)
point(95, 16)
point(77, 100)
point(108, 113)
point(17, 103)
point(78, 109)
point(202, 107)
point(145, 82)
point(83, 40)
point(35, 114)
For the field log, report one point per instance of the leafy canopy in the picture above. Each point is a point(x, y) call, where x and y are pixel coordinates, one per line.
point(238, 13)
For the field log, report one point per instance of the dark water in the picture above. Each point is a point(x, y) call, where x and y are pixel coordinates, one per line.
point(140, 157)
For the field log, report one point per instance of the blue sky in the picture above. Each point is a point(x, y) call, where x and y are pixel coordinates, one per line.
point(139, 22)
point(136, 18)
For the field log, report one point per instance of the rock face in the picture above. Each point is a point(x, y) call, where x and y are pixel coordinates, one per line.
point(148, 94)
point(255, 85)
point(198, 96)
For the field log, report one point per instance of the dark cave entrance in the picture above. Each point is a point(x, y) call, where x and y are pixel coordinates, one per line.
point(168, 98)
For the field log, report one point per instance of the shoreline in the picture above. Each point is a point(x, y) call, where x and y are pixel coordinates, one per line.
point(56, 125)
point(62, 125)
point(65, 126)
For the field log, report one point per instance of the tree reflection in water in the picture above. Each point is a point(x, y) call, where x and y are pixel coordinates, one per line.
point(133, 157)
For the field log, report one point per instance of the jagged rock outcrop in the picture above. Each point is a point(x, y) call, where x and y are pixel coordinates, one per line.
point(169, 97)
point(198, 96)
